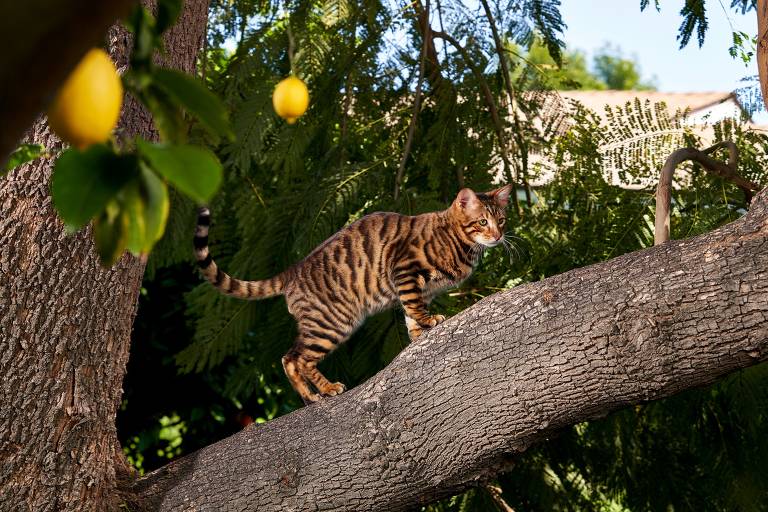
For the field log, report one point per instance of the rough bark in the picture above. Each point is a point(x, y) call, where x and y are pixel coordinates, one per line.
point(65, 326)
point(762, 47)
point(453, 409)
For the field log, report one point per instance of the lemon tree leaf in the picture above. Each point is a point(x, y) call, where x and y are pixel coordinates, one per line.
point(132, 208)
point(22, 155)
point(196, 99)
point(144, 204)
point(110, 234)
point(167, 13)
point(154, 193)
point(194, 170)
point(84, 182)
point(166, 115)
point(145, 37)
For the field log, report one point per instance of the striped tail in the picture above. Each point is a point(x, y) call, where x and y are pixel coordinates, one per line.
point(223, 281)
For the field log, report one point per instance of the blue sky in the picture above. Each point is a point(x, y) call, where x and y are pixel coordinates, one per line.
point(650, 37)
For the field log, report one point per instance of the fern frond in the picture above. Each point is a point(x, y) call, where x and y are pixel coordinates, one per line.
point(334, 12)
point(219, 332)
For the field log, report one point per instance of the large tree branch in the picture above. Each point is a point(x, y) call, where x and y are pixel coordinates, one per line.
point(453, 409)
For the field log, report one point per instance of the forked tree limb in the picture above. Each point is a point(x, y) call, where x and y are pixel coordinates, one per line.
point(455, 408)
point(495, 493)
point(724, 170)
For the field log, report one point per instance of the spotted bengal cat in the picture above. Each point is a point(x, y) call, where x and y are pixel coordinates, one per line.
point(369, 265)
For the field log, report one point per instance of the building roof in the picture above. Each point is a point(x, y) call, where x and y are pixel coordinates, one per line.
point(695, 101)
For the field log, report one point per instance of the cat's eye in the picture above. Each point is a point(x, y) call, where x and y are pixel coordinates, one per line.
point(502, 221)
point(482, 222)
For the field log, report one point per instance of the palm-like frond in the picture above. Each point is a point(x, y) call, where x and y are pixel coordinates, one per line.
point(638, 138)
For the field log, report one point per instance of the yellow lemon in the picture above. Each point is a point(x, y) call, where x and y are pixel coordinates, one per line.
point(290, 99)
point(87, 107)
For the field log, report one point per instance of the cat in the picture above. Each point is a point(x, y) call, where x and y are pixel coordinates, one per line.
point(368, 266)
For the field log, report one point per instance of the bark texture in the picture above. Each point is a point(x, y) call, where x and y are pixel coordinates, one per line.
point(65, 326)
point(762, 47)
point(453, 409)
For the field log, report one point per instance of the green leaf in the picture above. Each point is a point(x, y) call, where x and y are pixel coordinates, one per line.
point(132, 207)
point(110, 234)
point(85, 181)
point(154, 192)
point(165, 113)
point(145, 38)
point(144, 203)
point(167, 13)
point(22, 155)
point(197, 100)
point(195, 171)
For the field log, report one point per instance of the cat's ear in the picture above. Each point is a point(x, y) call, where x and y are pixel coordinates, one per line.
point(501, 195)
point(466, 199)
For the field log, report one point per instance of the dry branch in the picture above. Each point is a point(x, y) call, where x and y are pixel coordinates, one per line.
point(762, 47)
point(517, 132)
point(416, 106)
point(454, 409)
point(664, 190)
point(490, 103)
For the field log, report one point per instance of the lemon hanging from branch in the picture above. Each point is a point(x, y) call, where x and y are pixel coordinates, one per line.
point(87, 107)
point(290, 99)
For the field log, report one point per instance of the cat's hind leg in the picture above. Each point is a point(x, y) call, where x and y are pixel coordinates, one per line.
point(315, 342)
point(316, 339)
point(292, 364)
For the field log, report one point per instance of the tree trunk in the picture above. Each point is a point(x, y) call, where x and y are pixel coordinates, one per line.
point(762, 47)
point(453, 409)
point(65, 326)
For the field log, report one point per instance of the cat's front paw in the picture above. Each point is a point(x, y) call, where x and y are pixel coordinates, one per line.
point(334, 389)
point(432, 320)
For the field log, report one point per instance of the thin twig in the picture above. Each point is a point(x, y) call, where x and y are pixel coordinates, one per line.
point(442, 27)
point(517, 131)
point(726, 171)
point(291, 43)
point(491, 107)
point(347, 103)
point(416, 107)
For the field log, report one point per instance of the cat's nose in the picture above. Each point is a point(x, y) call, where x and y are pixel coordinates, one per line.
point(498, 237)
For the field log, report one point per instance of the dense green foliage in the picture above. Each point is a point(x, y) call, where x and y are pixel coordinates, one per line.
point(288, 187)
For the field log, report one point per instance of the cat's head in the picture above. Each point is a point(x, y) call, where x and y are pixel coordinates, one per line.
point(482, 215)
